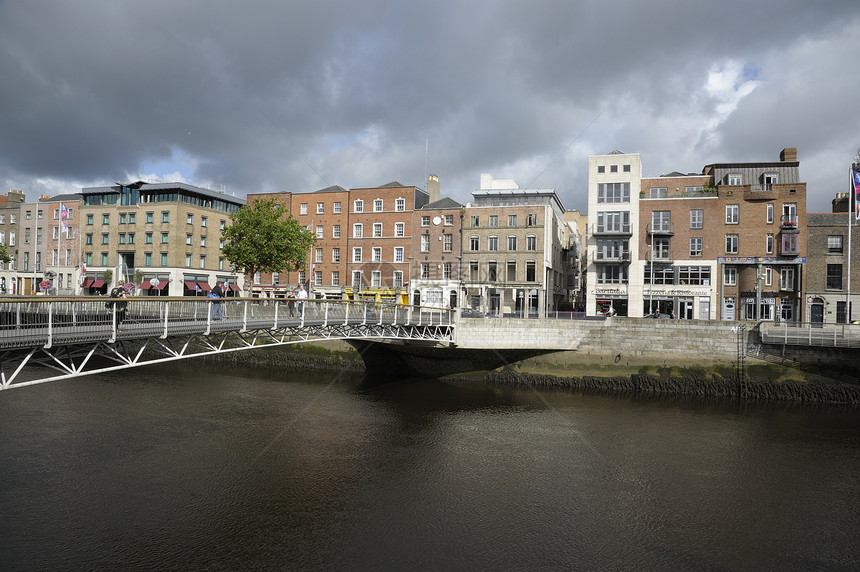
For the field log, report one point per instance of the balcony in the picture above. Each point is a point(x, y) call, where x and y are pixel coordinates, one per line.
point(661, 229)
point(611, 230)
point(788, 223)
point(602, 256)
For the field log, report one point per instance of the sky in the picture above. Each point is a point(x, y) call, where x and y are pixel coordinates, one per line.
point(250, 97)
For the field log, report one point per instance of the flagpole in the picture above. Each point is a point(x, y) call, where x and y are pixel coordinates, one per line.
point(59, 236)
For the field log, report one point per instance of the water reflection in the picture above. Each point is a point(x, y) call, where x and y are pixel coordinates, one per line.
point(188, 467)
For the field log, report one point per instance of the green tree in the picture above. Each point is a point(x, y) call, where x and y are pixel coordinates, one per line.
point(262, 238)
point(4, 255)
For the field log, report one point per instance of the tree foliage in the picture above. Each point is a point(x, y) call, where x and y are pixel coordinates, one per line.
point(4, 255)
point(262, 238)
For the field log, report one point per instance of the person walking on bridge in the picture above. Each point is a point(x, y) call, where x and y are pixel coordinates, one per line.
point(302, 296)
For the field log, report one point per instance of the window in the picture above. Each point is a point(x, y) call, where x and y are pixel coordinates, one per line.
point(335, 231)
point(301, 276)
point(661, 221)
point(320, 231)
point(601, 169)
point(693, 190)
point(356, 254)
point(493, 243)
point(492, 274)
point(377, 205)
point(398, 254)
point(320, 208)
point(335, 278)
point(447, 242)
point(377, 230)
point(658, 192)
point(425, 270)
point(165, 238)
point(493, 220)
point(358, 206)
point(694, 275)
point(105, 218)
point(147, 259)
point(613, 193)
point(511, 274)
point(425, 243)
point(473, 270)
point(356, 278)
point(357, 230)
point(512, 220)
point(730, 275)
point(613, 168)
point(768, 246)
point(189, 218)
point(165, 216)
point(697, 216)
point(276, 277)
point(789, 244)
point(731, 244)
point(399, 229)
point(449, 220)
point(303, 208)
point(473, 243)
point(376, 254)
point(662, 249)
point(222, 225)
point(609, 274)
point(475, 221)
point(39, 213)
point(695, 246)
point(188, 260)
point(163, 259)
point(131, 238)
point(89, 219)
point(204, 221)
point(531, 242)
point(318, 277)
point(768, 276)
point(613, 248)
point(769, 215)
point(221, 263)
point(769, 180)
point(446, 270)
point(425, 220)
point(105, 238)
point(375, 279)
point(786, 279)
point(626, 168)
point(735, 179)
point(202, 261)
point(512, 243)
point(122, 217)
point(150, 217)
point(400, 204)
point(188, 239)
point(834, 243)
point(318, 255)
point(659, 274)
point(104, 259)
point(398, 279)
point(335, 255)
point(731, 214)
point(613, 222)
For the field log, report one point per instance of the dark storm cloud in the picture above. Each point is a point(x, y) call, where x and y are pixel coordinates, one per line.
point(299, 96)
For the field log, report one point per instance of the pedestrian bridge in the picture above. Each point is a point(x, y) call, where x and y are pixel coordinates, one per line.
point(52, 338)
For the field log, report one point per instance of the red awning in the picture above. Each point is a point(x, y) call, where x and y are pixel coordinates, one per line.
point(204, 286)
point(162, 284)
point(145, 286)
point(87, 283)
point(97, 283)
point(189, 285)
point(234, 288)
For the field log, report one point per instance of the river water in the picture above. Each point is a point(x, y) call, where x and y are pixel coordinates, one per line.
point(189, 468)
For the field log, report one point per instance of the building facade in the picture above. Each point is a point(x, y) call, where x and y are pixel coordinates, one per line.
point(831, 239)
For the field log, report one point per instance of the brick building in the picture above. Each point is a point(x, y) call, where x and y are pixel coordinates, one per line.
point(829, 246)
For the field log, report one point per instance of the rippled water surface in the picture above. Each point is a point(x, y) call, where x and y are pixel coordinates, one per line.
point(188, 468)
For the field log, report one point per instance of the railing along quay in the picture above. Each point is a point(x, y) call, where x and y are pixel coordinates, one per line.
point(48, 321)
point(811, 334)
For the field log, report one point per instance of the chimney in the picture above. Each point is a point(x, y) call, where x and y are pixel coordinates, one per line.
point(433, 188)
point(840, 203)
point(789, 154)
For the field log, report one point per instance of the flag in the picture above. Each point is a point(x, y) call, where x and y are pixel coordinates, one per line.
point(64, 218)
point(855, 179)
point(83, 268)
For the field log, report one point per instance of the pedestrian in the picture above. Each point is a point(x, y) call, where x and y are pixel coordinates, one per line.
point(291, 303)
point(215, 294)
point(672, 314)
point(302, 296)
point(119, 307)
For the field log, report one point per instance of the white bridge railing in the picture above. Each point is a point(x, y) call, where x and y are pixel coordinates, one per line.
point(811, 334)
point(48, 321)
